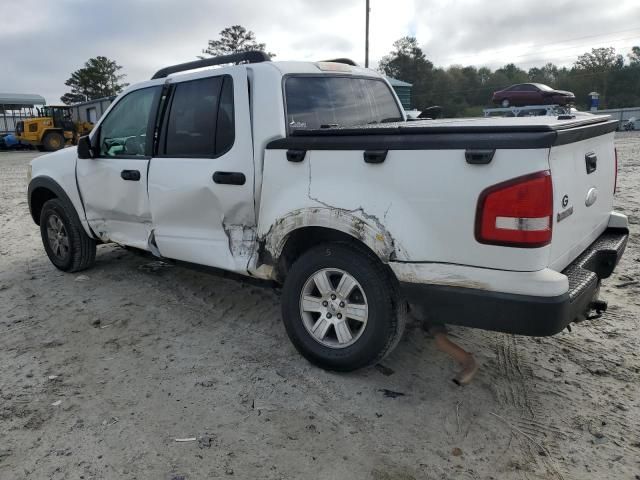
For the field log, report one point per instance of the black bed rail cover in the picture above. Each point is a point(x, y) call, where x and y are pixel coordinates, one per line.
point(506, 133)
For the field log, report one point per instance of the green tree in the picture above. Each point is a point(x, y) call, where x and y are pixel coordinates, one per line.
point(234, 39)
point(407, 62)
point(464, 90)
point(595, 68)
point(484, 75)
point(547, 74)
point(599, 60)
point(513, 73)
point(98, 78)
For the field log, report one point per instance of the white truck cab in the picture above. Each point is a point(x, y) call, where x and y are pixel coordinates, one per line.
point(310, 175)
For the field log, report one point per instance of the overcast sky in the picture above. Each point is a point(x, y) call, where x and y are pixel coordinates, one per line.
point(51, 38)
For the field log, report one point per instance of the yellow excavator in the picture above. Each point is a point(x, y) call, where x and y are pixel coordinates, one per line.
point(52, 129)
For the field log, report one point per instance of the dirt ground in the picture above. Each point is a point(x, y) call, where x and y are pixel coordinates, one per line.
point(101, 372)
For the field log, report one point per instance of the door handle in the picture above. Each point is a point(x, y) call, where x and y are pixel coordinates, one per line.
point(479, 157)
point(375, 156)
point(591, 162)
point(229, 178)
point(296, 156)
point(133, 175)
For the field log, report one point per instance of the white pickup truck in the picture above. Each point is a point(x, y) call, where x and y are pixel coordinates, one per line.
point(309, 175)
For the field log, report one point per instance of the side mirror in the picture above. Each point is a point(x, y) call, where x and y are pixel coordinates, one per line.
point(84, 147)
point(89, 147)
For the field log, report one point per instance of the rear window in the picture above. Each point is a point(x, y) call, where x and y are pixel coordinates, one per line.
point(329, 101)
point(200, 120)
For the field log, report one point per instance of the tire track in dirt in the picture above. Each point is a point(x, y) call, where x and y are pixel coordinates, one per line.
point(217, 298)
point(597, 364)
point(513, 392)
point(523, 408)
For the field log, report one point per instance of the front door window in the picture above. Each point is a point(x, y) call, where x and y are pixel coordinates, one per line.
point(125, 131)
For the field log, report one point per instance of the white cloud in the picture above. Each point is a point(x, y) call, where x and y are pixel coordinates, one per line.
point(144, 35)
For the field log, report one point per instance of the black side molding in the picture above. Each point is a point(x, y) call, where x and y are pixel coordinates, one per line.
point(47, 183)
point(479, 157)
point(403, 140)
point(375, 156)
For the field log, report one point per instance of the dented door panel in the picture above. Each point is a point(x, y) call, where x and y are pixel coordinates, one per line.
point(117, 209)
point(199, 220)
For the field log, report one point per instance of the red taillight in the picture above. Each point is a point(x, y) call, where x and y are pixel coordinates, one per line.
point(517, 213)
point(615, 181)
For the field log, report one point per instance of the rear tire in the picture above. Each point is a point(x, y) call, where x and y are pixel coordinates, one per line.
point(67, 245)
point(505, 103)
point(356, 321)
point(53, 141)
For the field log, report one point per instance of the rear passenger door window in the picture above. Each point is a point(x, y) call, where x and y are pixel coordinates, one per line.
point(200, 119)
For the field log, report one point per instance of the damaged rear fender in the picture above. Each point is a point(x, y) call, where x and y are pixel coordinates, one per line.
point(355, 223)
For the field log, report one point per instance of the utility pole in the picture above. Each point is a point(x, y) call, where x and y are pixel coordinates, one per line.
point(366, 40)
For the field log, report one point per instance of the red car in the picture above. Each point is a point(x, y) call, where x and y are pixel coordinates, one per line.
point(532, 94)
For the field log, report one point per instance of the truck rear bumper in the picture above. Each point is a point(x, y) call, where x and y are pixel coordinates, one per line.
point(518, 313)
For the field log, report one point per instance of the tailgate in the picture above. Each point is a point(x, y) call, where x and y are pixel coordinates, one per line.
point(583, 173)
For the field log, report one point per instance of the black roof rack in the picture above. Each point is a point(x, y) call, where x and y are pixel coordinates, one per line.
point(252, 56)
point(346, 61)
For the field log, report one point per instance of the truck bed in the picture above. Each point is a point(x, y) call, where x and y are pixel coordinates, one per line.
point(428, 190)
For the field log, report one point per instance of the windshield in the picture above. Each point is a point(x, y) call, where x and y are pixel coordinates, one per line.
point(332, 101)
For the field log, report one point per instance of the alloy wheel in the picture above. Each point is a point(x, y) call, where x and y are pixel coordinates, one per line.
point(57, 237)
point(334, 308)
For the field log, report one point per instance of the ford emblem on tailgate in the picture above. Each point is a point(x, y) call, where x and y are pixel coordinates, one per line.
point(592, 196)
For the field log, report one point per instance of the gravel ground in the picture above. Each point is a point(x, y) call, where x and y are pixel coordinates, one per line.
point(101, 372)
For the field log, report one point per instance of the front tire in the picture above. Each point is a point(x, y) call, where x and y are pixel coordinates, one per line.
point(67, 245)
point(340, 307)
